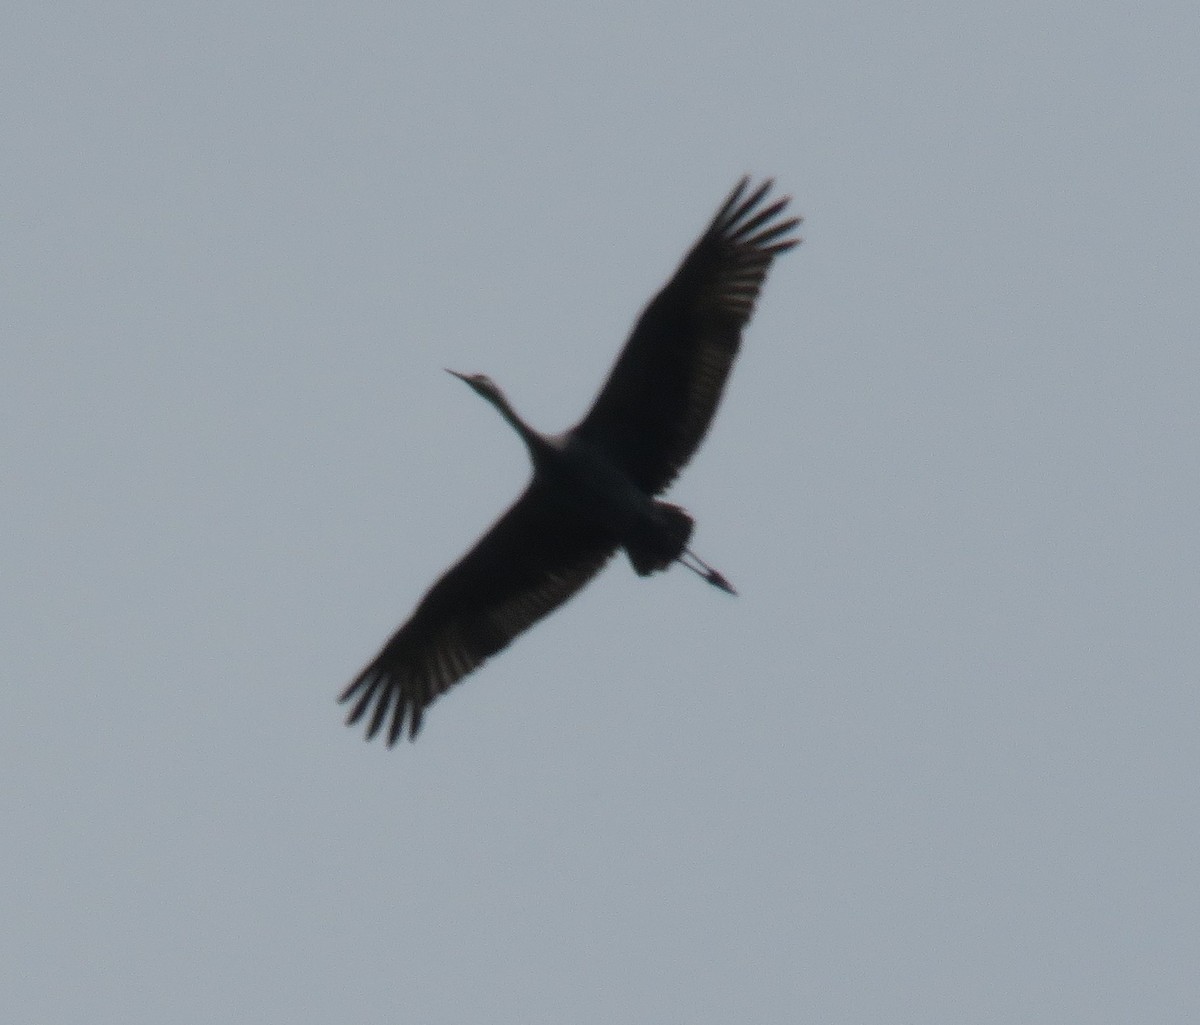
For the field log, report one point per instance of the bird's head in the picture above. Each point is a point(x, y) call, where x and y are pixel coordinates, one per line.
point(481, 384)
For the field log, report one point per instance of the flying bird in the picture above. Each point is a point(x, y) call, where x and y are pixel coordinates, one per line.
point(593, 487)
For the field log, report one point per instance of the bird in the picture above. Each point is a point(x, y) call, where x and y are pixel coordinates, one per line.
point(593, 488)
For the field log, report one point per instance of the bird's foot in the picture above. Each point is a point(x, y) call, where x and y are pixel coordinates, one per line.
point(703, 569)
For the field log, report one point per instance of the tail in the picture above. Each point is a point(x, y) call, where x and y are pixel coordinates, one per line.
point(655, 547)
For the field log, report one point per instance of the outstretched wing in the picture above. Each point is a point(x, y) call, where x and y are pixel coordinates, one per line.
point(531, 561)
point(660, 398)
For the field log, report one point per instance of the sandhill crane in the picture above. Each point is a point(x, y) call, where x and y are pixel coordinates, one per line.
point(593, 487)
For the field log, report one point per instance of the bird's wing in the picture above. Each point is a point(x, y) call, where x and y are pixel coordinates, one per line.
point(533, 559)
point(661, 395)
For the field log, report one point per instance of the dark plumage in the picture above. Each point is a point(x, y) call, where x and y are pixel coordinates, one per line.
point(593, 486)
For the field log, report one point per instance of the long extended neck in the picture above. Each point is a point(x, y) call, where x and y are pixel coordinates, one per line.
point(533, 440)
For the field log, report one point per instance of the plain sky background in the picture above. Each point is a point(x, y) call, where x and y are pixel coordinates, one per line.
point(939, 763)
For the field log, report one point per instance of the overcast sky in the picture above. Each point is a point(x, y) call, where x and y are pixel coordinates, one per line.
point(938, 763)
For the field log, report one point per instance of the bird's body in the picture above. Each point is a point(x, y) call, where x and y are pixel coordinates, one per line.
point(593, 487)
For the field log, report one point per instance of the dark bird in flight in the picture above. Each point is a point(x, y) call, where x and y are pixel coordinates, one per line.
point(593, 486)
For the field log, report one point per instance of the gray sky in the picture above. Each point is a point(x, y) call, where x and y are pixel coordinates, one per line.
point(939, 762)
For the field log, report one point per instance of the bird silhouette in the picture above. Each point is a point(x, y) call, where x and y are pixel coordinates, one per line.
point(593, 486)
